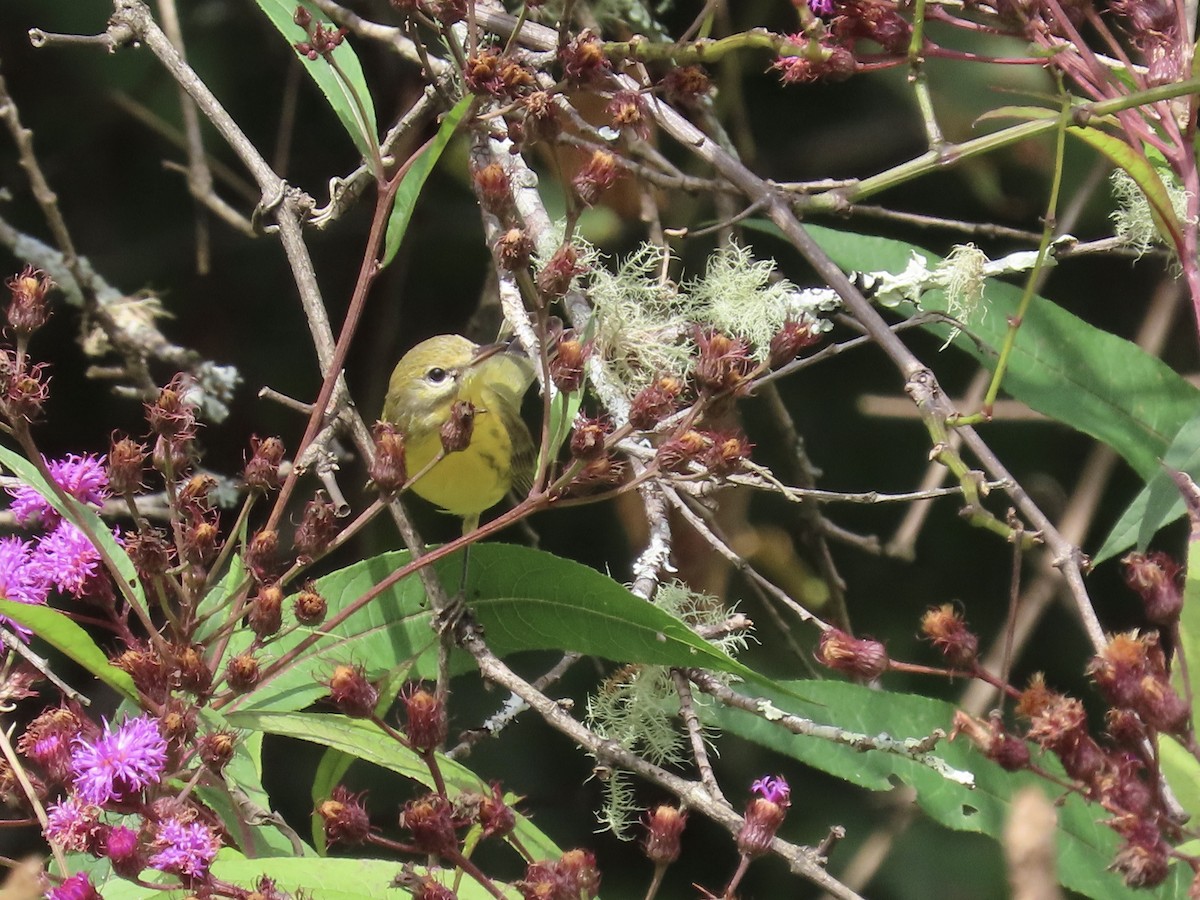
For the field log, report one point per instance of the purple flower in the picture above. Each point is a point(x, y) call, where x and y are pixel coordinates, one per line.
point(70, 823)
point(119, 763)
point(77, 887)
point(821, 7)
point(20, 579)
point(774, 789)
point(83, 477)
point(66, 559)
point(186, 849)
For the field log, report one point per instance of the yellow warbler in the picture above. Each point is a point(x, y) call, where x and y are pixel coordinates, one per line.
point(498, 454)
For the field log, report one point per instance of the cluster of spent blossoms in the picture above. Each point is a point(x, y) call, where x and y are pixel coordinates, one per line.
point(1116, 769)
point(438, 824)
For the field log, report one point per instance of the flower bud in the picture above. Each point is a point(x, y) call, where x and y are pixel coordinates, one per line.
point(788, 341)
point(556, 275)
point(121, 848)
point(654, 403)
point(494, 815)
point(262, 554)
point(566, 363)
point(764, 815)
point(494, 189)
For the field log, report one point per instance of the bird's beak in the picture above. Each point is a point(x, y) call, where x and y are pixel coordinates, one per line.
point(487, 351)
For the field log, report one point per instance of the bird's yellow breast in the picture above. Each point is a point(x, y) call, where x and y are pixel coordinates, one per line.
point(467, 481)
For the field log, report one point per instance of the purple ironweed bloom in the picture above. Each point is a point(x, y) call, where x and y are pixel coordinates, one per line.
point(773, 788)
point(821, 7)
point(83, 477)
point(66, 559)
point(119, 763)
point(71, 822)
point(77, 887)
point(20, 580)
point(186, 849)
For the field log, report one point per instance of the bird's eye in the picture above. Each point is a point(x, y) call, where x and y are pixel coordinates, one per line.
point(436, 375)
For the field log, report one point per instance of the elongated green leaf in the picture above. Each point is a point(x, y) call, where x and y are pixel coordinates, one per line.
point(326, 879)
point(1180, 767)
point(525, 600)
point(79, 514)
point(339, 93)
point(363, 740)
point(1061, 366)
point(414, 180)
point(60, 632)
point(1085, 845)
point(1158, 502)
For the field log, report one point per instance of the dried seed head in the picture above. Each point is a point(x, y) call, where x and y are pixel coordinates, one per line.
point(567, 361)
point(458, 427)
point(722, 363)
point(309, 606)
point(262, 555)
point(345, 817)
point(945, 628)
point(24, 389)
point(351, 692)
point(1155, 577)
point(655, 402)
point(481, 74)
point(628, 110)
point(266, 611)
point(28, 310)
point(683, 84)
point(542, 116)
point(589, 436)
point(262, 469)
point(596, 176)
point(242, 672)
point(494, 815)
point(494, 189)
point(425, 719)
point(318, 526)
point(388, 472)
point(726, 452)
point(664, 828)
point(861, 657)
point(172, 414)
point(680, 451)
point(192, 496)
point(583, 59)
point(191, 671)
point(148, 670)
point(789, 341)
point(555, 277)
point(150, 551)
point(216, 748)
point(577, 873)
point(430, 821)
point(514, 249)
point(126, 465)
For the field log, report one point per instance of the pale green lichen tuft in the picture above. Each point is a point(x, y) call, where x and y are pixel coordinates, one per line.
point(620, 811)
point(1133, 219)
point(700, 611)
point(642, 319)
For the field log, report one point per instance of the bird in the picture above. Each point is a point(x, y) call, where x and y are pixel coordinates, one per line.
point(448, 377)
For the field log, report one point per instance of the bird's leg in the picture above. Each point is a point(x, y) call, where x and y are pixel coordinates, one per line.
point(449, 619)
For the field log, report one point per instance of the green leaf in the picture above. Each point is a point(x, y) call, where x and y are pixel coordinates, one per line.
point(327, 879)
point(78, 514)
point(1061, 366)
point(524, 599)
point(414, 180)
point(60, 632)
point(563, 411)
point(1158, 502)
point(339, 94)
point(1085, 844)
point(363, 740)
